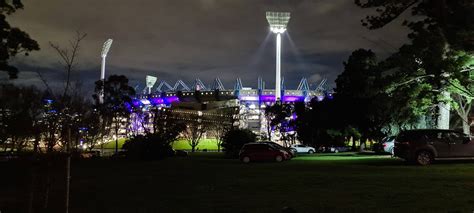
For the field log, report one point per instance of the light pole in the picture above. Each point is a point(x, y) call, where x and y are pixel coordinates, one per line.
point(278, 22)
point(105, 50)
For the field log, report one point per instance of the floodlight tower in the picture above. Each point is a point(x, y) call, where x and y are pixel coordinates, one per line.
point(105, 50)
point(150, 82)
point(278, 22)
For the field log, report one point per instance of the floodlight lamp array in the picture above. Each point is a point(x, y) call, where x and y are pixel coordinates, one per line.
point(106, 47)
point(278, 21)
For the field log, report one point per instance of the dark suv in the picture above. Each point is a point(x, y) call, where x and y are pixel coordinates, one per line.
point(423, 146)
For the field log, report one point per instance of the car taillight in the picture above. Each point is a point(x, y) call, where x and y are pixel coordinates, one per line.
point(384, 145)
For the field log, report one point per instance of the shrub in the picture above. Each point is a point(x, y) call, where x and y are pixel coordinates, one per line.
point(148, 147)
point(233, 141)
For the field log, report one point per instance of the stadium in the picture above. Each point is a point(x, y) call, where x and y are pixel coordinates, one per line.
point(212, 103)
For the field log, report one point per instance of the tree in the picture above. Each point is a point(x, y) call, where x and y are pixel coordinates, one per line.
point(318, 123)
point(166, 129)
point(277, 117)
point(444, 28)
point(156, 144)
point(13, 40)
point(194, 132)
point(151, 146)
point(20, 108)
point(69, 56)
point(222, 124)
point(463, 88)
point(234, 139)
point(360, 87)
point(117, 101)
point(93, 128)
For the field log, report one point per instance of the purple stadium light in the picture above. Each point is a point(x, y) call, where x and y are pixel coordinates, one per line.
point(128, 106)
point(136, 102)
point(157, 101)
point(171, 99)
point(267, 98)
point(293, 98)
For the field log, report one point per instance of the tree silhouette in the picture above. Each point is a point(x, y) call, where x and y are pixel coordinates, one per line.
point(117, 101)
point(13, 40)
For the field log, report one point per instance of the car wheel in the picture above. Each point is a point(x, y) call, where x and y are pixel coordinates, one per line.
point(424, 158)
point(310, 151)
point(246, 159)
point(392, 152)
point(279, 158)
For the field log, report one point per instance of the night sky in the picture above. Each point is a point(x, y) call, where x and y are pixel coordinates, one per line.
point(188, 39)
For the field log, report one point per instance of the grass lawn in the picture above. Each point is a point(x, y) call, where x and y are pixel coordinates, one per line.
point(205, 182)
point(111, 144)
point(209, 144)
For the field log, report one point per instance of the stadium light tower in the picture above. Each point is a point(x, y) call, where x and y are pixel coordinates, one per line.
point(105, 50)
point(278, 22)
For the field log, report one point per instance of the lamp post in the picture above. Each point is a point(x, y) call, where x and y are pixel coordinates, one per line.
point(105, 50)
point(278, 22)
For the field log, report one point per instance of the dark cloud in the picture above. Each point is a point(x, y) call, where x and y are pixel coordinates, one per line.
point(187, 39)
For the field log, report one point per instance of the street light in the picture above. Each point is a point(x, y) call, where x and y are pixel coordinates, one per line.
point(278, 22)
point(105, 50)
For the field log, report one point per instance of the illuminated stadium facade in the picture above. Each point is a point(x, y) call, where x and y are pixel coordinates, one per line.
point(199, 99)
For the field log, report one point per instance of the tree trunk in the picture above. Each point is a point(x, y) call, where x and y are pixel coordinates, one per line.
point(36, 143)
point(443, 112)
point(68, 169)
point(116, 141)
point(353, 143)
point(363, 140)
point(116, 134)
point(466, 128)
point(269, 131)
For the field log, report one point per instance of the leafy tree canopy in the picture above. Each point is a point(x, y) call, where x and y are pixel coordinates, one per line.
point(454, 18)
point(13, 40)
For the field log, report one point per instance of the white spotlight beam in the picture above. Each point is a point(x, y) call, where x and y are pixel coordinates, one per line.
point(278, 22)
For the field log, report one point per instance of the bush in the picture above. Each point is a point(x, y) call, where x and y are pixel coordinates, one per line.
point(233, 141)
point(148, 147)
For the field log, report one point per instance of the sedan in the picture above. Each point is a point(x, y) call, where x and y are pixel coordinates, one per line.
point(262, 152)
point(303, 148)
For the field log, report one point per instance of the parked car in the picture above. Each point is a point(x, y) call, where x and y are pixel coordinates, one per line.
point(304, 149)
point(90, 154)
point(180, 153)
point(386, 145)
point(292, 151)
point(334, 149)
point(427, 145)
point(262, 152)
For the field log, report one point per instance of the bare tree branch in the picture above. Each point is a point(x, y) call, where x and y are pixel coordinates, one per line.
point(68, 56)
point(48, 88)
